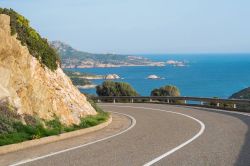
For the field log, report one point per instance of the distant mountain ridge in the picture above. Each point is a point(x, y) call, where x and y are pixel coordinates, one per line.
point(72, 58)
point(243, 94)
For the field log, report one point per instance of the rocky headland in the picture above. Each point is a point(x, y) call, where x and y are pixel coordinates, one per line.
point(30, 86)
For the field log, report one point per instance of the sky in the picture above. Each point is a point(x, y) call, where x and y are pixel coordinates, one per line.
point(142, 26)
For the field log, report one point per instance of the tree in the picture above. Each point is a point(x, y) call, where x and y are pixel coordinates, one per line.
point(110, 88)
point(167, 90)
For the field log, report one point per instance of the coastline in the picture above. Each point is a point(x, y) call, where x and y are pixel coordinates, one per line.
point(109, 65)
point(157, 64)
point(189, 79)
point(92, 86)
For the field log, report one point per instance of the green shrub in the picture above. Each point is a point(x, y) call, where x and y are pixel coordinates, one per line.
point(80, 81)
point(55, 124)
point(213, 104)
point(110, 88)
point(167, 90)
point(6, 125)
point(19, 132)
point(8, 117)
point(13, 138)
point(94, 105)
point(30, 120)
point(93, 120)
point(37, 46)
point(12, 130)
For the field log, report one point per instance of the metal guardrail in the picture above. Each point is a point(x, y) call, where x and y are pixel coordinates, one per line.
point(169, 99)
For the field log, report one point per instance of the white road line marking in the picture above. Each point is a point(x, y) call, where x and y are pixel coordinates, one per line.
point(80, 146)
point(202, 129)
point(132, 125)
point(189, 141)
point(217, 110)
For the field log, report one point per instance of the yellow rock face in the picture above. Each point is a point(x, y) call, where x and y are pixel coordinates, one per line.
point(33, 89)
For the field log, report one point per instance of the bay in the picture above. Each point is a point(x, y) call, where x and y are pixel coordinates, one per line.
point(206, 75)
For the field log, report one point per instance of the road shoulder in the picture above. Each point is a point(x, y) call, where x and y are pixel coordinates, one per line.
point(119, 123)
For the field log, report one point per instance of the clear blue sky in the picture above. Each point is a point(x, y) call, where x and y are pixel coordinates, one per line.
point(142, 26)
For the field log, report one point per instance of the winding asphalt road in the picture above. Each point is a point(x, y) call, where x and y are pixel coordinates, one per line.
point(151, 134)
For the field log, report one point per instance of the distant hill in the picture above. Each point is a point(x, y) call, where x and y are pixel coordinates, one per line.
point(72, 58)
point(243, 94)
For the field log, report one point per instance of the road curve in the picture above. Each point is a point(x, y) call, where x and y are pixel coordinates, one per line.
point(162, 135)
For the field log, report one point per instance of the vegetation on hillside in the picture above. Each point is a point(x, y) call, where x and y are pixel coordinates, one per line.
point(16, 128)
point(77, 78)
point(242, 94)
point(12, 130)
point(71, 56)
point(75, 74)
point(38, 46)
point(80, 81)
point(110, 88)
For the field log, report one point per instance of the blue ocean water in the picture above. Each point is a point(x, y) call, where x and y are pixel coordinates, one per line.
point(206, 75)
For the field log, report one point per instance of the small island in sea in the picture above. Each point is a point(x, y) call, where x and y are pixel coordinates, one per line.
point(176, 63)
point(112, 77)
point(154, 77)
point(84, 80)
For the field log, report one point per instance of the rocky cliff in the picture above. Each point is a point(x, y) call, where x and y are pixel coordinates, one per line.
point(34, 89)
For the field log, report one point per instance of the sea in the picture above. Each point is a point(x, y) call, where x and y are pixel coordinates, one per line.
point(205, 75)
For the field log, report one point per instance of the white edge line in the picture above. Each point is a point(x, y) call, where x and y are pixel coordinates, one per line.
point(193, 138)
point(202, 129)
point(133, 123)
point(190, 140)
point(216, 110)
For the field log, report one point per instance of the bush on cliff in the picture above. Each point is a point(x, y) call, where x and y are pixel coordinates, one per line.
point(8, 117)
point(110, 88)
point(12, 130)
point(15, 131)
point(37, 46)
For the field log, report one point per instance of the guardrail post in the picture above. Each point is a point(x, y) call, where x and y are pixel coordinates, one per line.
point(233, 103)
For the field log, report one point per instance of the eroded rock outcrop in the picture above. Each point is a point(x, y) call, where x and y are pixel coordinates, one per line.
point(112, 77)
point(34, 89)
